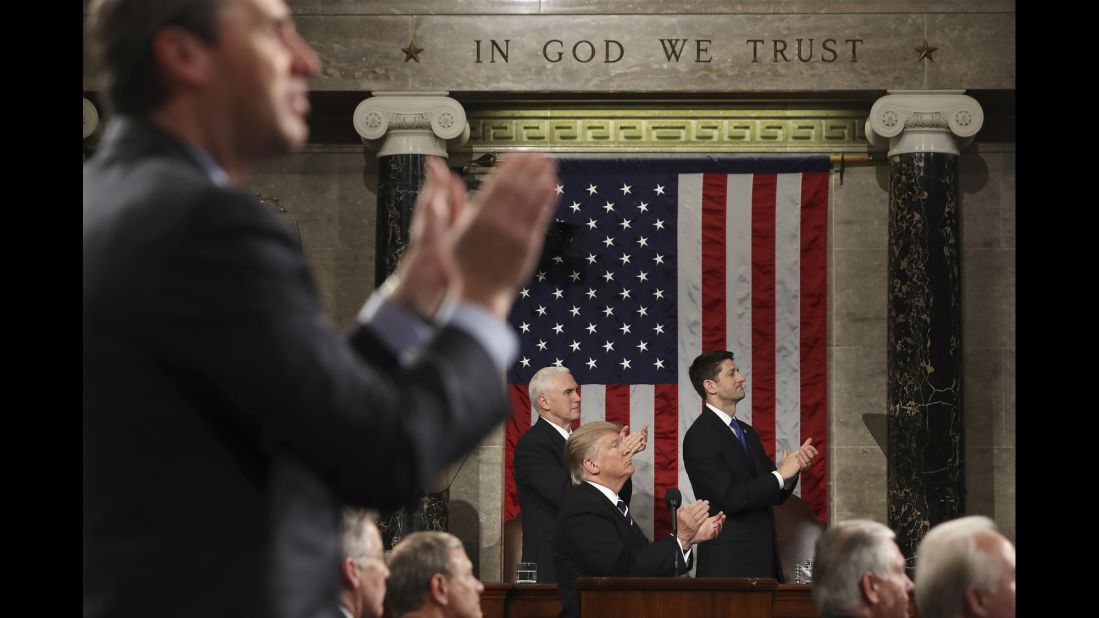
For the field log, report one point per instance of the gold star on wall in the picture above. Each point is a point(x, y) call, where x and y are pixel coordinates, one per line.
point(925, 51)
point(412, 52)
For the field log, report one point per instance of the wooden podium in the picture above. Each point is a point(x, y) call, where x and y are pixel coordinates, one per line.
point(667, 597)
point(636, 597)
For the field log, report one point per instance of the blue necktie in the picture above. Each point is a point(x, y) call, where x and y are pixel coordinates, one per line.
point(739, 434)
point(625, 513)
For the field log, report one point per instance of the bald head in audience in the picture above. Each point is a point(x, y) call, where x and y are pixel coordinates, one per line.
point(964, 568)
point(858, 570)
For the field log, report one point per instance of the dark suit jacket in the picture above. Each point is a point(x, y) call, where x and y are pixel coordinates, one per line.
point(741, 484)
point(592, 539)
point(223, 418)
point(541, 480)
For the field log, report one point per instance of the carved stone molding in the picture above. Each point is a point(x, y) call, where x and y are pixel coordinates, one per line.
point(909, 121)
point(419, 123)
point(668, 129)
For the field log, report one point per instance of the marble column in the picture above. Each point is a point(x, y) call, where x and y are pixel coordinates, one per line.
point(925, 451)
point(404, 128)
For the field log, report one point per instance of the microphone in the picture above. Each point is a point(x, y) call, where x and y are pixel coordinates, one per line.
point(673, 498)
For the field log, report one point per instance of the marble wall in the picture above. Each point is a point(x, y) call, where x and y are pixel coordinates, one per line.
point(330, 195)
point(477, 507)
point(988, 328)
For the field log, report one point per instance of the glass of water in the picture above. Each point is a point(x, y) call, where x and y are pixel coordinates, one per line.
point(526, 573)
point(803, 572)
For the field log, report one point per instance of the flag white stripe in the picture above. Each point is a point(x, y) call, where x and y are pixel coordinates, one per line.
point(642, 404)
point(689, 307)
point(738, 282)
point(593, 403)
point(787, 313)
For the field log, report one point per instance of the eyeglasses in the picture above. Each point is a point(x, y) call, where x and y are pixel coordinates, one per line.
point(362, 561)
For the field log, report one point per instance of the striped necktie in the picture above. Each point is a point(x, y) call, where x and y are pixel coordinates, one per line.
point(625, 512)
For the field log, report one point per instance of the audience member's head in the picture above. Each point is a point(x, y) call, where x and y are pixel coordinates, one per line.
point(363, 571)
point(431, 576)
point(858, 570)
point(965, 567)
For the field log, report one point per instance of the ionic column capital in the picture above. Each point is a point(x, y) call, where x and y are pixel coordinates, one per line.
point(411, 122)
point(924, 121)
point(91, 118)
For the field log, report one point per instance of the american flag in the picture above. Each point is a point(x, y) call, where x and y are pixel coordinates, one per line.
point(657, 260)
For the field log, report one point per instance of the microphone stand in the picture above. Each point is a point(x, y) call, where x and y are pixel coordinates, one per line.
point(673, 499)
point(675, 535)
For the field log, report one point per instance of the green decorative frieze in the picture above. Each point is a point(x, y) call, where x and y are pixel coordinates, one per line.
point(686, 130)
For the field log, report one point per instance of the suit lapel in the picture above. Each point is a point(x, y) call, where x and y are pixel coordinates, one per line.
point(730, 439)
point(625, 530)
point(553, 437)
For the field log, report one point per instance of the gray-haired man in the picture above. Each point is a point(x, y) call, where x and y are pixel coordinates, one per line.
point(858, 570)
point(965, 567)
point(432, 577)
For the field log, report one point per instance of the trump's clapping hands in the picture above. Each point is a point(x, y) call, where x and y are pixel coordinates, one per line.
point(695, 524)
point(690, 518)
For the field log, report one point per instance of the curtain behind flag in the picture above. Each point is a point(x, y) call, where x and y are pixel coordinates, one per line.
point(651, 262)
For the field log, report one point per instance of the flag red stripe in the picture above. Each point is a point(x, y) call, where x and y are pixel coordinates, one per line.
point(714, 187)
point(814, 329)
point(764, 188)
point(665, 442)
point(517, 425)
point(617, 405)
